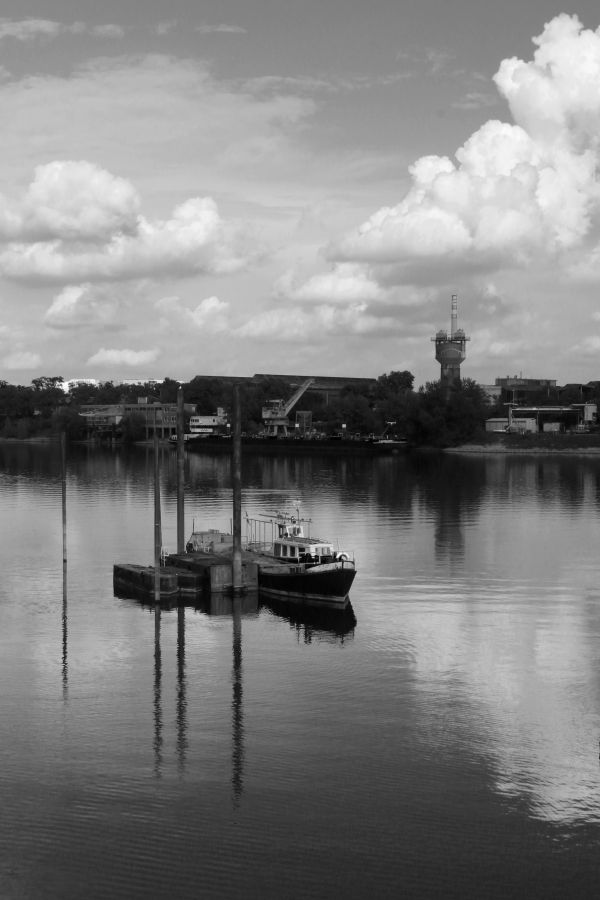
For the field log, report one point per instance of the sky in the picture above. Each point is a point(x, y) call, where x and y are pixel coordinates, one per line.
point(229, 188)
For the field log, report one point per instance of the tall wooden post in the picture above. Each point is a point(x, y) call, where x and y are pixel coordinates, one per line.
point(157, 520)
point(180, 472)
point(63, 479)
point(237, 492)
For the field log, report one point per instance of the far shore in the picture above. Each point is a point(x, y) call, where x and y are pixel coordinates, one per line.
point(495, 449)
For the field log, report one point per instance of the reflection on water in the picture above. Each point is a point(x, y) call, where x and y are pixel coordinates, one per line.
point(437, 737)
point(158, 716)
point(181, 687)
point(237, 752)
point(314, 622)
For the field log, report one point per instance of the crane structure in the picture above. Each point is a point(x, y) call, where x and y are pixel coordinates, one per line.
point(275, 412)
point(451, 349)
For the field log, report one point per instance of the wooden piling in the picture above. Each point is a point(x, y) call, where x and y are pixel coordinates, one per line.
point(157, 519)
point(180, 472)
point(63, 481)
point(236, 467)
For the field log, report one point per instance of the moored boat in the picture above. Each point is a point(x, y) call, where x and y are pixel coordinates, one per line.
point(295, 566)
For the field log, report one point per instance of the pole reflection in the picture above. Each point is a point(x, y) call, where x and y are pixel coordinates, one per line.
point(181, 741)
point(237, 756)
point(158, 738)
point(65, 635)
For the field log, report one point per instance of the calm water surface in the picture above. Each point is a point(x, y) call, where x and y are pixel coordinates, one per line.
point(440, 742)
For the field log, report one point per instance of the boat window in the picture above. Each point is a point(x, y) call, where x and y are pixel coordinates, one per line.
point(277, 549)
point(292, 551)
point(284, 550)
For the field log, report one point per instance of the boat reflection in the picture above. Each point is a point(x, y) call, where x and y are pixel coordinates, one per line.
point(313, 622)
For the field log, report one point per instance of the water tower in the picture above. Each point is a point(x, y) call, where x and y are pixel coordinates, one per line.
point(451, 349)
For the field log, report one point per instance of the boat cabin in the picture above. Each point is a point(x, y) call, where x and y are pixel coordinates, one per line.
point(298, 548)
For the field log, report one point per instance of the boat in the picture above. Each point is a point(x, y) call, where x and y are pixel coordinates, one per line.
point(295, 566)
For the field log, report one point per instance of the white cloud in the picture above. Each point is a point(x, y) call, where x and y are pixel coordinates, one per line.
point(345, 283)
point(220, 29)
point(129, 358)
point(156, 104)
point(78, 222)
point(164, 28)
point(70, 199)
point(22, 359)
point(28, 29)
point(34, 29)
point(315, 324)
point(83, 306)
point(589, 346)
point(475, 100)
point(107, 31)
point(516, 192)
point(210, 316)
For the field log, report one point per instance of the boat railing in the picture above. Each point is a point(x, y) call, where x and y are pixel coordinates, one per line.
point(259, 546)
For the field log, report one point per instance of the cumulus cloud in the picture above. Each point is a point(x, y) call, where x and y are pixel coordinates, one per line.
point(589, 346)
point(27, 30)
point(78, 222)
point(345, 283)
point(166, 27)
point(130, 358)
point(210, 316)
point(107, 31)
point(514, 192)
point(71, 200)
point(289, 325)
point(22, 359)
point(83, 306)
point(220, 29)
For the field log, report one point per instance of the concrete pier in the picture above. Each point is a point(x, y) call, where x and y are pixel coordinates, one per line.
point(185, 576)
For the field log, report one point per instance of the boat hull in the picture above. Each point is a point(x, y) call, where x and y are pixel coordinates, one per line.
point(329, 586)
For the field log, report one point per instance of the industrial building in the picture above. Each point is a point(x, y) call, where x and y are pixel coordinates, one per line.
point(578, 417)
point(103, 420)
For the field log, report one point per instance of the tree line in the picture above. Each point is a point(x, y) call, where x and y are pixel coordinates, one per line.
point(433, 415)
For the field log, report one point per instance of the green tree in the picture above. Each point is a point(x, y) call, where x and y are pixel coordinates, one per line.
point(67, 419)
point(133, 428)
point(439, 417)
point(168, 391)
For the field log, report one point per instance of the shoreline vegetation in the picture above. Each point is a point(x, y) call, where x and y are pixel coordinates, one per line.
point(436, 417)
point(488, 444)
point(565, 444)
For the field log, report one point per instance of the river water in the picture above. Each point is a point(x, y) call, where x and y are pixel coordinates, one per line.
point(442, 740)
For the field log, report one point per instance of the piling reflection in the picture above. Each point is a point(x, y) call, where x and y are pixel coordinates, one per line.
point(237, 753)
point(65, 637)
point(158, 722)
point(181, 741)
point(215, 606)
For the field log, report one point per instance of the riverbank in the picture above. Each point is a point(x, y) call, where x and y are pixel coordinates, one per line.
point(532, 444)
